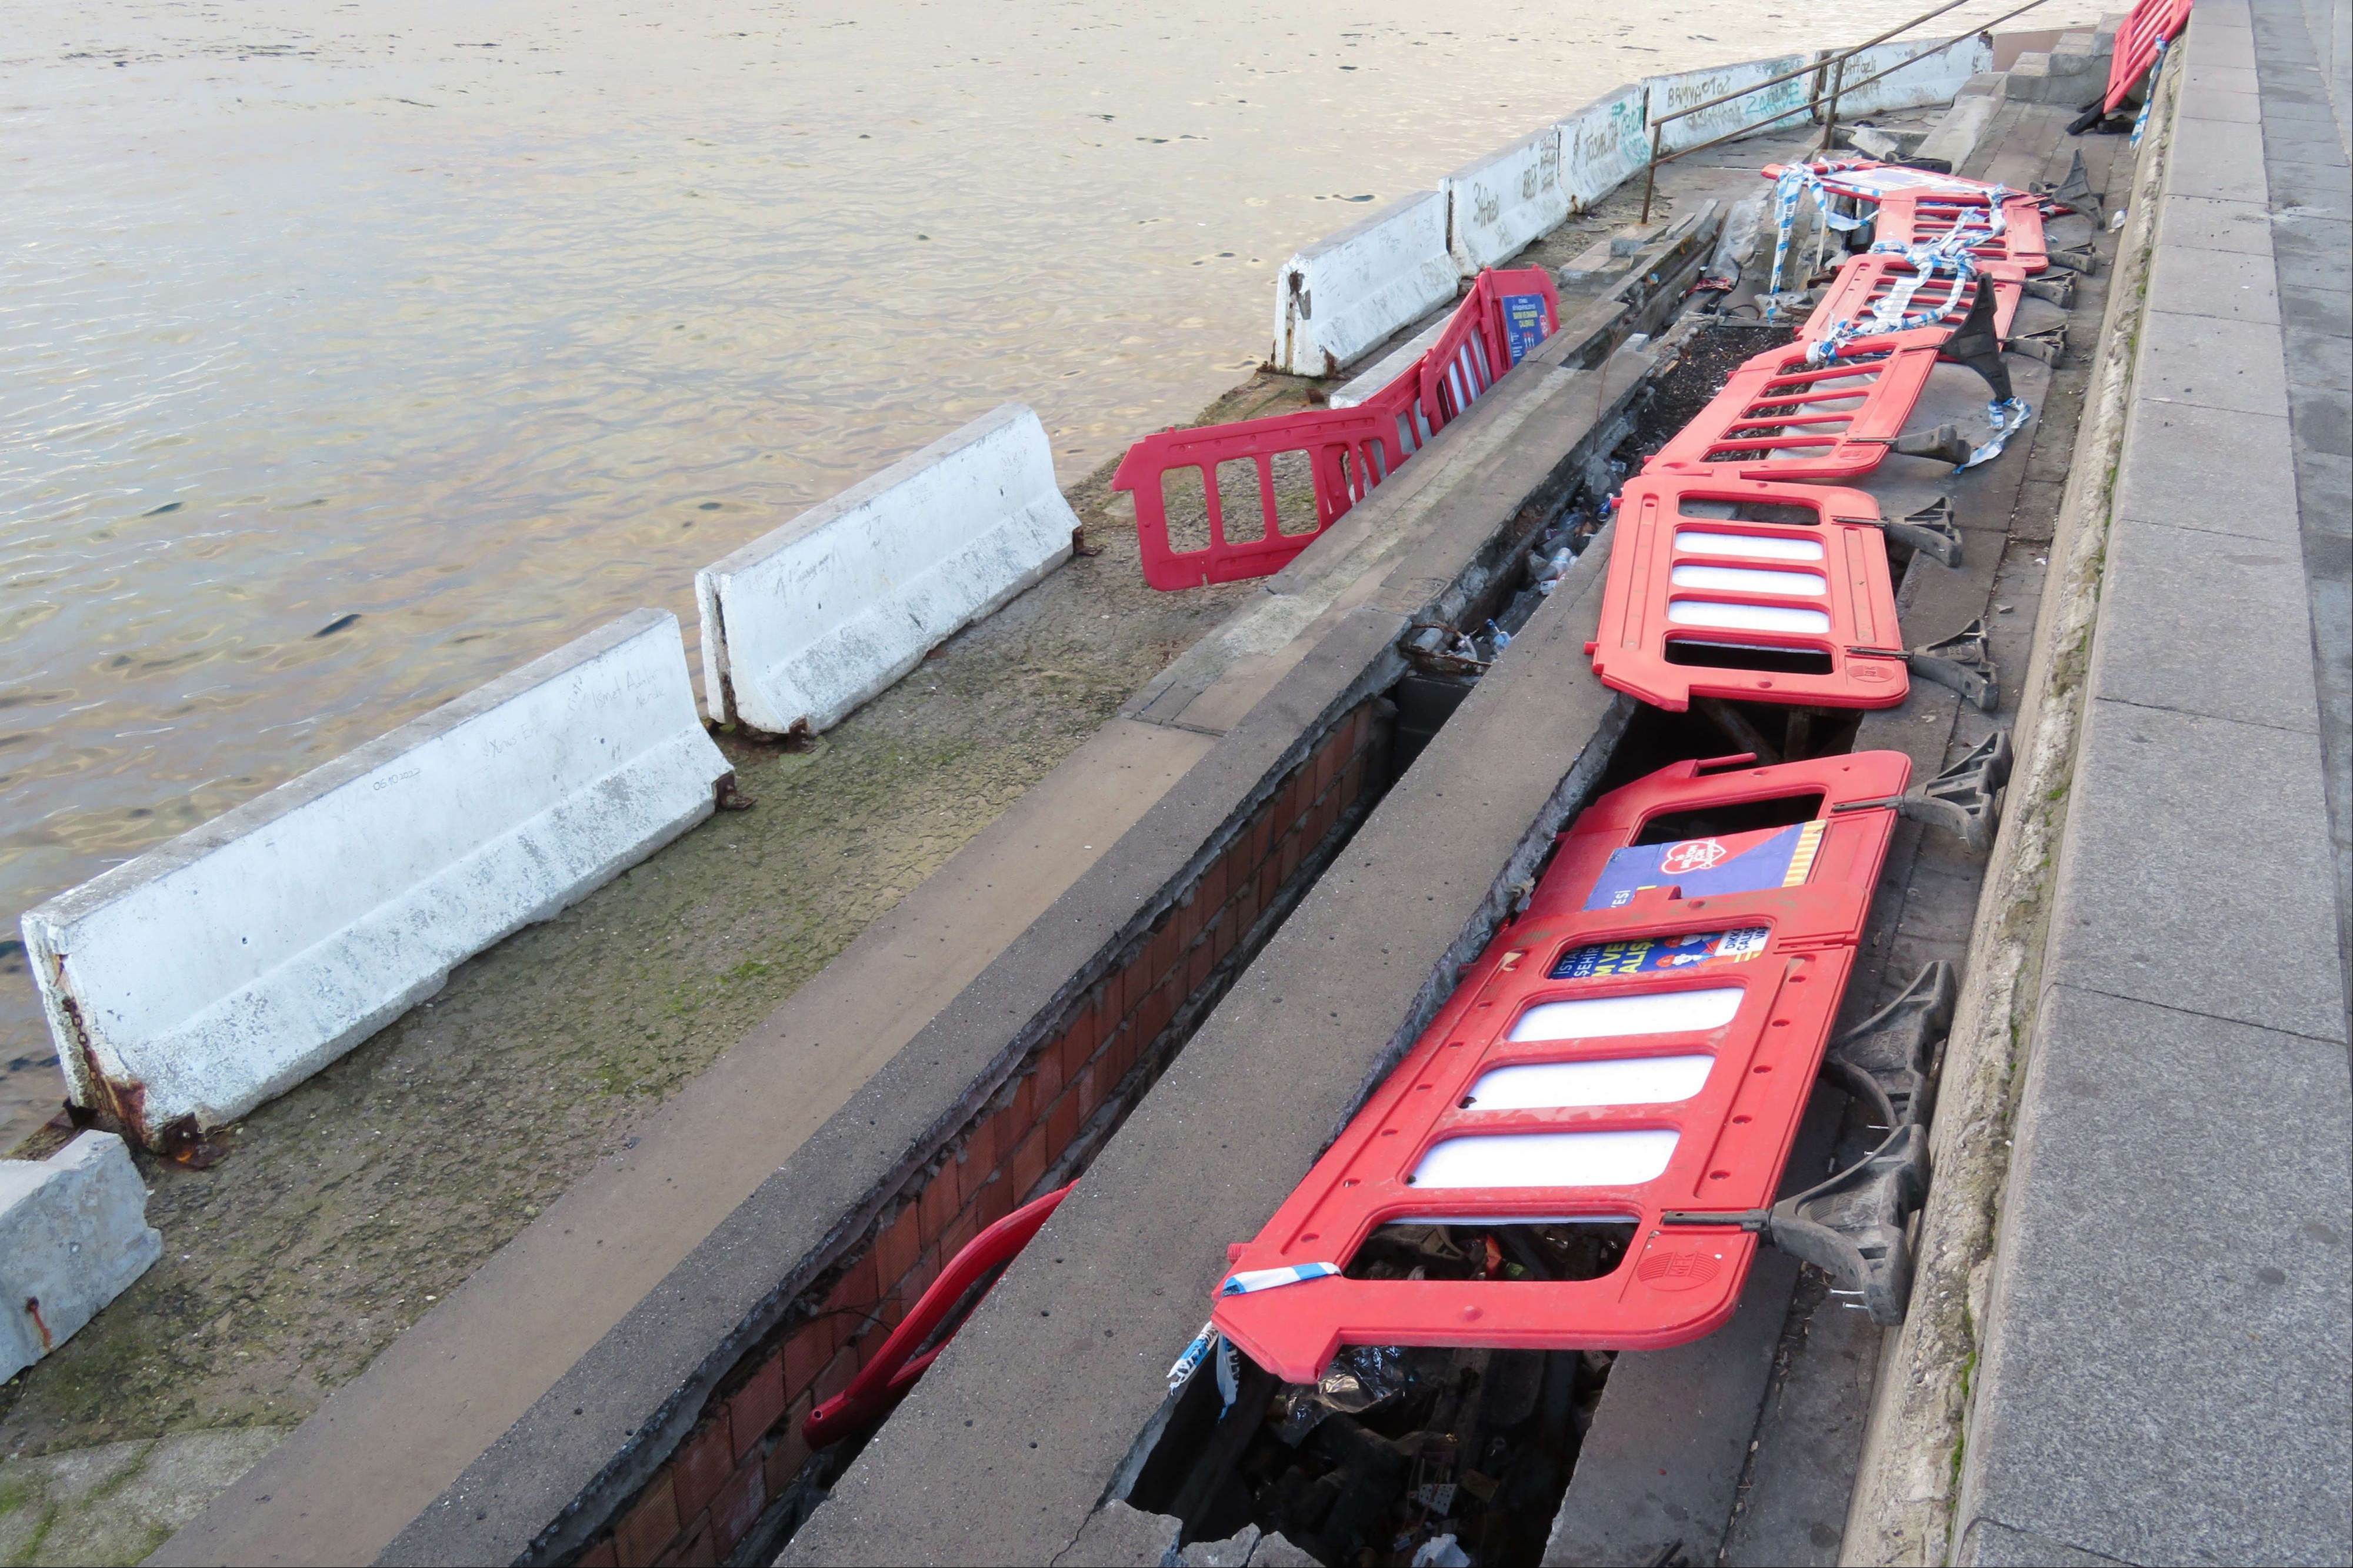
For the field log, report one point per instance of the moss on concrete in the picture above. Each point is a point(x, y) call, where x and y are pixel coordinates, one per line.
point(343, 1210)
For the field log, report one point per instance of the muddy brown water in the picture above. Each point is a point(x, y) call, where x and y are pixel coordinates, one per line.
point(354, 354)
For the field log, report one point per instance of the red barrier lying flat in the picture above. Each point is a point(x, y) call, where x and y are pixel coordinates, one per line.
point(884, 1381)
point(1864, 279)
point(1916, 206)
point(1779, 418)
point(1338, 455)
point(1740, 589)
point(1644, 1037)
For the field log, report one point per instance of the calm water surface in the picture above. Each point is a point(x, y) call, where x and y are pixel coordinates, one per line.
point(485, 323)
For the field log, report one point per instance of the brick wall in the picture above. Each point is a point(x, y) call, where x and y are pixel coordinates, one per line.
point(1035, 1134)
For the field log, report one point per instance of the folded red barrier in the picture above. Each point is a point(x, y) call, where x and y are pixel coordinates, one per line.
point(1778, 417)
point(1916, 206)
point(1743, 589)
point(1643, 1038)
point(1339, 454)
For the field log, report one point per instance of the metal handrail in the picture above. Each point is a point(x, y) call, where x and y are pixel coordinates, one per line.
point(1834, 64)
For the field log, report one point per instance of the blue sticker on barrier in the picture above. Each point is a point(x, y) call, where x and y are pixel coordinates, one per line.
point(1524, 324)
point(1730, 863)
point(1659, 954)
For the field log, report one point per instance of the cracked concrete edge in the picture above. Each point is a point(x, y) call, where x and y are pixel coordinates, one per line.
point(1902, 1509)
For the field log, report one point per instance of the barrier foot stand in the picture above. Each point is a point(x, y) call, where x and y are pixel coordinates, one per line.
point(2049, 345)
point(1945, 443)
point(1963, 799)
point(1929, 530)
point(1851, 1226)
point(2085, 262)
point(1976, 343)
point(2053, 287)
point(1962, 662)
point(1884, 1060)
point(2075, 190)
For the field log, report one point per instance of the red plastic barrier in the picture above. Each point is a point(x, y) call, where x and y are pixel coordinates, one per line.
point(1656, 1017)
point(1919, 204)
point(1701, 601)
point(1348, 450)
point(1864, 279)
point(2152, 22)
point(881, 1382)
point(1779, 418)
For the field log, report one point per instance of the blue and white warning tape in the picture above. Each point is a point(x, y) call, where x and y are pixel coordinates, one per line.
point(1251, 1281)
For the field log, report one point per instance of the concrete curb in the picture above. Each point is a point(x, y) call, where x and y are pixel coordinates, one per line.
point(1905, 1485)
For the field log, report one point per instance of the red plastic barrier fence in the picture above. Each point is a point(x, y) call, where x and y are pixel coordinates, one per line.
point(882, 1382)
point(1643, 1038)
point(1778, 417)
point(1863, 280)
point(1347, 451)
point(1920, 205)
point(1736, 588)
point(2152, 23)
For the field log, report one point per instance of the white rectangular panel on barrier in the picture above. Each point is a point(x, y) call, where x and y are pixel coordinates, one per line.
point(1341, 296)
point(1940, 67)
point(1603, 144)
point(808, 621)
point(1772, 109)
point(189, 985)
point(1496, 205)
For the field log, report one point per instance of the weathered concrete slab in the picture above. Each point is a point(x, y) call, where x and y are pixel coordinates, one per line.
point(2172, 588)
point(2215, 469)
point(2160, 1389)
point(2197, 868)
point(73, 1236)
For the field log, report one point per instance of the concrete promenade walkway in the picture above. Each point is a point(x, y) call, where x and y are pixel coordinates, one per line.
point(2169, 1324)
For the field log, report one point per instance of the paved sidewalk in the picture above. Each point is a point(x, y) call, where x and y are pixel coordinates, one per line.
point(2168, 1331)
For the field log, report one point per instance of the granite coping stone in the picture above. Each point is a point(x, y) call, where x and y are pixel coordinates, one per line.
point(2217, 158)
point(2207, 360)
point(2170, 1324)
point(2211, 102)
point(1064, 1363)
point(2168, 593)
point(2195, 871)
point(2222, 79)
point(2232, 471)
point(2206, 223)
point(2228, 285)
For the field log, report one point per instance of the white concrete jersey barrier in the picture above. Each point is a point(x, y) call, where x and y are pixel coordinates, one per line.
point(1774, 107)
point(1940, 67)
point(1603, 144)
point(805, 623)
point(192, 983)
point(1341, 296)
point(1496, 205)
point(73, 1236)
